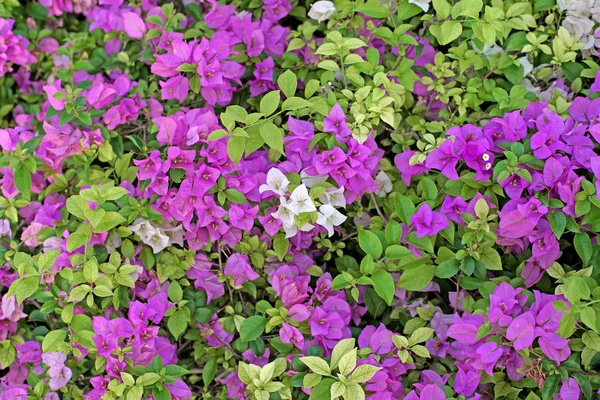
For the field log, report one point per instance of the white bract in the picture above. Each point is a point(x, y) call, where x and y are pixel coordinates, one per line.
point(284, 214)
point(301, 201)
point(385, 184)
point(310, 180)
point(157, 241)
point(276, 182)
point(422, 4)
point(334, 196)
point(321, 10)
point(329, 218)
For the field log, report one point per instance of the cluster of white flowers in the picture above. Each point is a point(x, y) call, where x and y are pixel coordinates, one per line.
point(157, 237)
point(299, 201)
point(581, 17)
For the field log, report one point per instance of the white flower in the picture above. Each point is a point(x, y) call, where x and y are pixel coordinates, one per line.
point(527, 66)
point(113, 243)
point(150, 235)
point(276, 182)
point(174, 231)
point(330, 217)
point(301, 201)
point(157, 241)
point(422, 4)
point(143, 228)
point(321, 10)
point(334, 196)
point(310, 180)
point(284, 214)
point(385, 184)
point(290, 230)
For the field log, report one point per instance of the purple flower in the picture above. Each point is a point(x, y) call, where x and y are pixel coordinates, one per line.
point(238, 267)
point(570, 390)
point(427, 222)
point(464, 333)
point(335, 122)
point(444, 159)
point(379, 340)
point(466, 382)
point(59, 374)
point(521, 331)
point(133, 25)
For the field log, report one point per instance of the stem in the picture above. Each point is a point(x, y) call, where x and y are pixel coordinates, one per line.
point(378, 209)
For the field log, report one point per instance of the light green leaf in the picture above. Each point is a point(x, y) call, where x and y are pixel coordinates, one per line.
point(316, 364)
point(280, 245)
point(348, 362)
point(363, 373)
point(416, 279)
point(287, 83)
point(270, 102)
point(272, 135)
point(337, 390)
point(446, 32)
point(341, 348)
point(54, 341)
point(373, 8)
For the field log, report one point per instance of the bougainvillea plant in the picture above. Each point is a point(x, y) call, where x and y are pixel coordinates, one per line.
point(297, 199)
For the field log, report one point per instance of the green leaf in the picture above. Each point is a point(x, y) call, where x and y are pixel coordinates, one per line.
point(417, 278)
point(22, 180)
point(54, 341)
point(295, 103)
point(405, 208)
point(491, 259)
point(316, 364)
point(446, 32)
point(178, 322)
point(363, 373)
point(235, 148)
point(110, 220)
point(337, 389)
point(370, 243)
point(23, 288)
point(209, 371)
point(252, 328)
point(393, 232)
point(280, 245)
point(77, 206)
point(550, 386)
point(149, 378)
point(420, 335)
point(8, 354)
point(395, 252)
point(373, 8)
point(583, 246)
point(235, 196)
point(341, 348)
point(591, 340)
point(272, 135)
point(175, 292)
point(442, 9)
point(558, 222)
point(384, 285)
point(287, 83)
point(270, 102)
point(323, 390)
point(347, 362)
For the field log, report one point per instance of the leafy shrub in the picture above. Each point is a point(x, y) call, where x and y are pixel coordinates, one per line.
point(279, 199)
